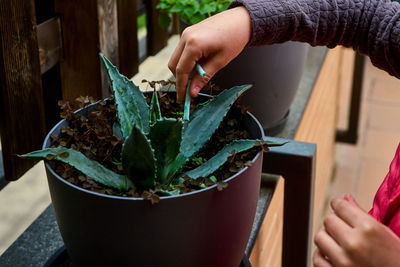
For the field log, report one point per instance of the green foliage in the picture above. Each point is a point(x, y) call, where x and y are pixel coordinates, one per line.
point(190, 11)
point(223, 155)
point(155, 150)
point(89, 167)
point(131, 104)
point(141, 21)
point(213, 179)
point(203, 122)
point(138, 159)
point(206, 118)
point(155, 112)
point(165, 138)
point(198, 160)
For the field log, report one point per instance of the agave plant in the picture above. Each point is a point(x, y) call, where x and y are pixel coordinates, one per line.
point(155, 148)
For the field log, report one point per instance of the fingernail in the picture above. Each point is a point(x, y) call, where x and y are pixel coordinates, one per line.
point(348, 197)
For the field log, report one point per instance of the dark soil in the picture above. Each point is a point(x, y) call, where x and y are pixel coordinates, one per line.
point(93, 136)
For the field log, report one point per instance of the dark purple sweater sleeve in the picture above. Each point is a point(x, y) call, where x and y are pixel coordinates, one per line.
point(371, 27)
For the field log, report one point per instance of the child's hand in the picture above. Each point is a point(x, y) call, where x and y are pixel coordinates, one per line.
point(354, 238)
point(212, 43)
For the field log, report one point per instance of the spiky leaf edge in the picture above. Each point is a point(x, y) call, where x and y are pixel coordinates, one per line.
point(195, 133)
point(222, 156)
point(87, 166)
point(132, 107)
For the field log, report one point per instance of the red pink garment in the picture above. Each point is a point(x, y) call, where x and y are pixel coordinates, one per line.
point(386, 207)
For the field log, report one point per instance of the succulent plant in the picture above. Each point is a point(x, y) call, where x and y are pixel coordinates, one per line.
point(155, 148)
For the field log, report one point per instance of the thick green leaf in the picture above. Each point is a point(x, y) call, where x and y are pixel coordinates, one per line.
point(155, 111)
point(117, 130)
point(175, 192)
point(87, 166)
point(222, 156)
point(138, 159)
point(204, 120)
point(132, 107)
point(175, 166)
point(165, 136)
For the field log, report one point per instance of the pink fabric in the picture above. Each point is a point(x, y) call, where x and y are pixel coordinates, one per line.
point(386, 207)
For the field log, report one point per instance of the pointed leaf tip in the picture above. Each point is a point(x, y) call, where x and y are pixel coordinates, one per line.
point(132, 107)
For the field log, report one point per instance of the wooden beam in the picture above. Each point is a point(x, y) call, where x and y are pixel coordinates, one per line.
point(108, 38)
point(22, 120)
point(157, 38)
point(128, 38)
point(80, 67)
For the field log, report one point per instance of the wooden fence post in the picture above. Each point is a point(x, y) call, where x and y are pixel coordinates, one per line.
point(108, 38)
point(22, 119)
point(128, 38)
point(80, 66)
point(157, 38)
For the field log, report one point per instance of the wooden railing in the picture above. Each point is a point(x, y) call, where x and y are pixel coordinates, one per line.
point(49, 50)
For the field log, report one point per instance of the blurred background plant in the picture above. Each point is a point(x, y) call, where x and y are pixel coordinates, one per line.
point(189, 11)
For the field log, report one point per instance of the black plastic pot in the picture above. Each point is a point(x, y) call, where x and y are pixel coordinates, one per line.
point(204, 228)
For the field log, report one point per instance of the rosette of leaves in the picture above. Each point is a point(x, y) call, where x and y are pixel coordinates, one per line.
point(155, 149)
point(190, 11)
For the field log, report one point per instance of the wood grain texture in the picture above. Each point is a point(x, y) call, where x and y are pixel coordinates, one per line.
point(267, 250)
point(51, 81)
point(80, 67)
point(108, 38)
point(318, 125)
point(22, 121)
point(127, 38)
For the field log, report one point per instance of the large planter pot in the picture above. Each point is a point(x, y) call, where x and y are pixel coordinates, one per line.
point(275, 71)
point(203, 228)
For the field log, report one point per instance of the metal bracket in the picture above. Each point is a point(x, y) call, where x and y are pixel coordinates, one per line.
point(350, 135)
point(295, 161)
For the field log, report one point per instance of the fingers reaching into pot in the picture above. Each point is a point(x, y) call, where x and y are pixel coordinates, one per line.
point(212, 43)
